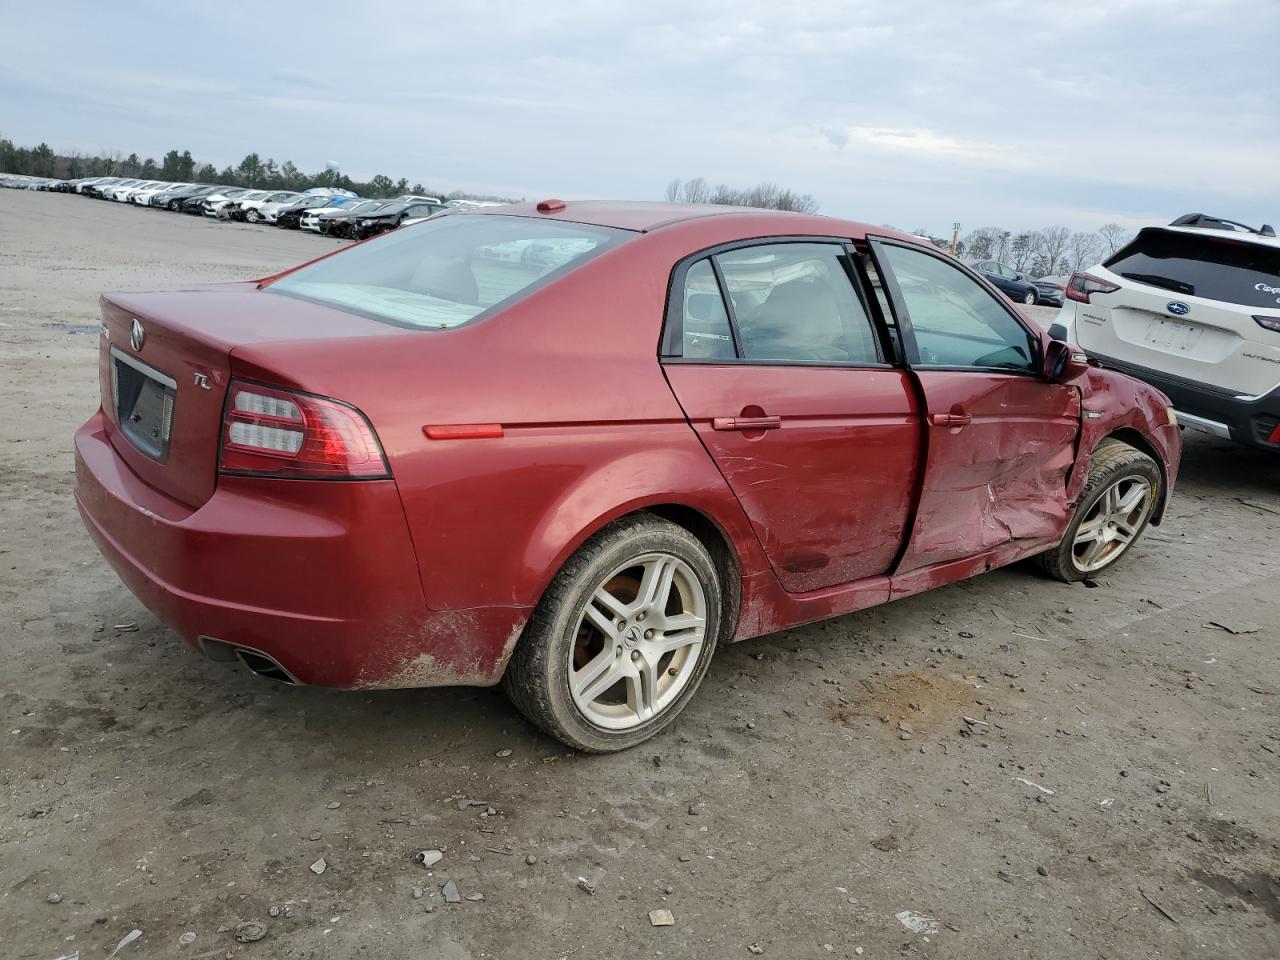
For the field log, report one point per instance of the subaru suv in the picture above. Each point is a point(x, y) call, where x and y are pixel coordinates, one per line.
point(1194, 310)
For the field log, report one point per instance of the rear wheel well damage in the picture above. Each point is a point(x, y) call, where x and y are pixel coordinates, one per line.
point(711, 536)
point(1135, 438)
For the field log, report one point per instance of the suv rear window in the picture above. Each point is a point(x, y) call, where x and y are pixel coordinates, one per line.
point(1218, 268)
point(444, 272)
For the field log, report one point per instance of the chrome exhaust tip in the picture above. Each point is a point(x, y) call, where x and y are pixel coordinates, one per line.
point(262, 664)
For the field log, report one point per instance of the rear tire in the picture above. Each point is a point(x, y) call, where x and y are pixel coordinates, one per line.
point(600, 667)
point(1112, 513)
point(1030, 298)
point(253, 216)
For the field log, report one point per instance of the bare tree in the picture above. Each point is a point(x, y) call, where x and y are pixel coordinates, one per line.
point(1114, 236)
point(1054, 242)
point(1085, 248)
point(768, 196)
point(1021, 250)
point(980, 244)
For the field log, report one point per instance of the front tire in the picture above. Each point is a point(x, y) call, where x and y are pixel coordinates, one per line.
point(1113, 512)
point(621, 639)
point(1030, 298)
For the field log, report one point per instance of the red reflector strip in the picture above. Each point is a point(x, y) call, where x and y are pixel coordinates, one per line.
point(463, 431)
point(1275, 434)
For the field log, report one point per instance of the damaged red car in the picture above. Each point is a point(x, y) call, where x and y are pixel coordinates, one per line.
point(573, 448)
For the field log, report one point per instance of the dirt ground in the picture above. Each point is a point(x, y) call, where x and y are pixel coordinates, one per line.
point(1111, 794)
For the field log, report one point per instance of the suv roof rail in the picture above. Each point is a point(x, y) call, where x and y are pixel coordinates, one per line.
point(1221, 223)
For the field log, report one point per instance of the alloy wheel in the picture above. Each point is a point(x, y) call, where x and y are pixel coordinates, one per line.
point(1030, 298)
point(637, 641)
point(1112, 524)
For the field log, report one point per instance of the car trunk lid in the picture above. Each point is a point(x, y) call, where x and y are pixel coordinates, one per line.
point(165, 364)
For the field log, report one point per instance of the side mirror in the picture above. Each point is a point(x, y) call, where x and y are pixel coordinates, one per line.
point(1063, 362)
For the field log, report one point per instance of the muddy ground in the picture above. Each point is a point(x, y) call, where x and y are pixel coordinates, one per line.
point(1116, 796)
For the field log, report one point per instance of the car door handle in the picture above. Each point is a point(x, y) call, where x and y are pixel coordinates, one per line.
point(950, 419)
point(746, 423)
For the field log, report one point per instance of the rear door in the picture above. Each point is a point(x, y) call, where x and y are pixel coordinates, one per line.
point(771, 353)
point(1185, 306)
point(1000, 437)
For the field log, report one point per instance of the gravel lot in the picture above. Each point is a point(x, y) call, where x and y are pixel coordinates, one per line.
point(1112, 795)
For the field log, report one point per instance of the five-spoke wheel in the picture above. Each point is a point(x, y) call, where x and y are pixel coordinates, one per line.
point(622, 637)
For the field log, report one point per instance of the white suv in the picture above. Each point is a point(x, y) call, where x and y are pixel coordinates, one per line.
point(1194, 310)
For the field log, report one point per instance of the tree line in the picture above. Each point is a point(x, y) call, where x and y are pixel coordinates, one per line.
point(1047, 252)
point(767, 196)
point(181, 167)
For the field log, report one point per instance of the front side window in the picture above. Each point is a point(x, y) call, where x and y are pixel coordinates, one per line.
point(795, 302)
point(447, 271)
point(955, 321)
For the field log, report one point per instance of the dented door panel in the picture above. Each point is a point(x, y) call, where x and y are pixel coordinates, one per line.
point(1000, 477)
point(829, 485)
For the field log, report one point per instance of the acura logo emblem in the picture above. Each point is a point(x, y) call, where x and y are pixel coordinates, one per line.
point(632, 636)
point(137, 336)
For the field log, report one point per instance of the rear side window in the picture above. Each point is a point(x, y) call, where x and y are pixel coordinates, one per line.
point(442, 273)
point(707, 335)
point(1193, 265)
point(795, 302)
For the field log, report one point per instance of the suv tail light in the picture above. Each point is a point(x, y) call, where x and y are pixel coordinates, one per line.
point(1268, 323)
point(267, 432)
point(1081, 285)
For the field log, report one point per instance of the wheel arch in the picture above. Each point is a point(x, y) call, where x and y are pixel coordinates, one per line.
point(1130, 436)
point(708, 529)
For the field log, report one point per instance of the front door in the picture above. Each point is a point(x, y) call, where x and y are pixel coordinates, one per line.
point(1000, 437)
point(771, 354)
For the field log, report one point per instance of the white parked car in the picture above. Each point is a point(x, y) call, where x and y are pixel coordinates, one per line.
point(214, 203)
point(252, 205)
point(143, 197)
point(120, 194)
point(1194, 310)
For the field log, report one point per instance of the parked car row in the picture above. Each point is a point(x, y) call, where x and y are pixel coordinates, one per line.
point(1020, 288)
point(332, 212)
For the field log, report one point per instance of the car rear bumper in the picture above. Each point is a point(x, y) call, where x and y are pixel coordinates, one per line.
point(318, 576)
point(1247, 420)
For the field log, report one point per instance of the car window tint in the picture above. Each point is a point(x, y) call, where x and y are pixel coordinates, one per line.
point(447, 271)
point(955, 321)
point(707, 335)
point(1199, 265)
point(794, 301)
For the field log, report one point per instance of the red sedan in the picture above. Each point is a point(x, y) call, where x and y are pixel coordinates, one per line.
point(573, 447)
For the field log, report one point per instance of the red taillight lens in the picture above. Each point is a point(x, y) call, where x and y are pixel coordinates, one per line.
point(268, 432)
point(1081, 285)
point(1268, 323)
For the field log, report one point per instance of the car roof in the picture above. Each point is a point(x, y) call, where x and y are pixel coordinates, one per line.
point(1240, 236)
point(646, 216)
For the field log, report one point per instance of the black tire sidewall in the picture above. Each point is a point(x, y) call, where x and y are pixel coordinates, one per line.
point(1139, 466)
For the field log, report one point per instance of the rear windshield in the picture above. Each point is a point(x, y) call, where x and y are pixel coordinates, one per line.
point(1234, 271)
point(443, 272)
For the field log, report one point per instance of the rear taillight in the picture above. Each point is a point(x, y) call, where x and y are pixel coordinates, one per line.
point(267, 432)
point(1081, 285)
point(1268, 323)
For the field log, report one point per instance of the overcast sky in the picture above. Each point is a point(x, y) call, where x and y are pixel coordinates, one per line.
point(909, 113)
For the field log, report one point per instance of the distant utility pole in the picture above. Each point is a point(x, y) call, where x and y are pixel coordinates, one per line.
point(955, 237)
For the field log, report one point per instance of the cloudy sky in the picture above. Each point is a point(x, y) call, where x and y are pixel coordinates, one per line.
point(910, 113)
